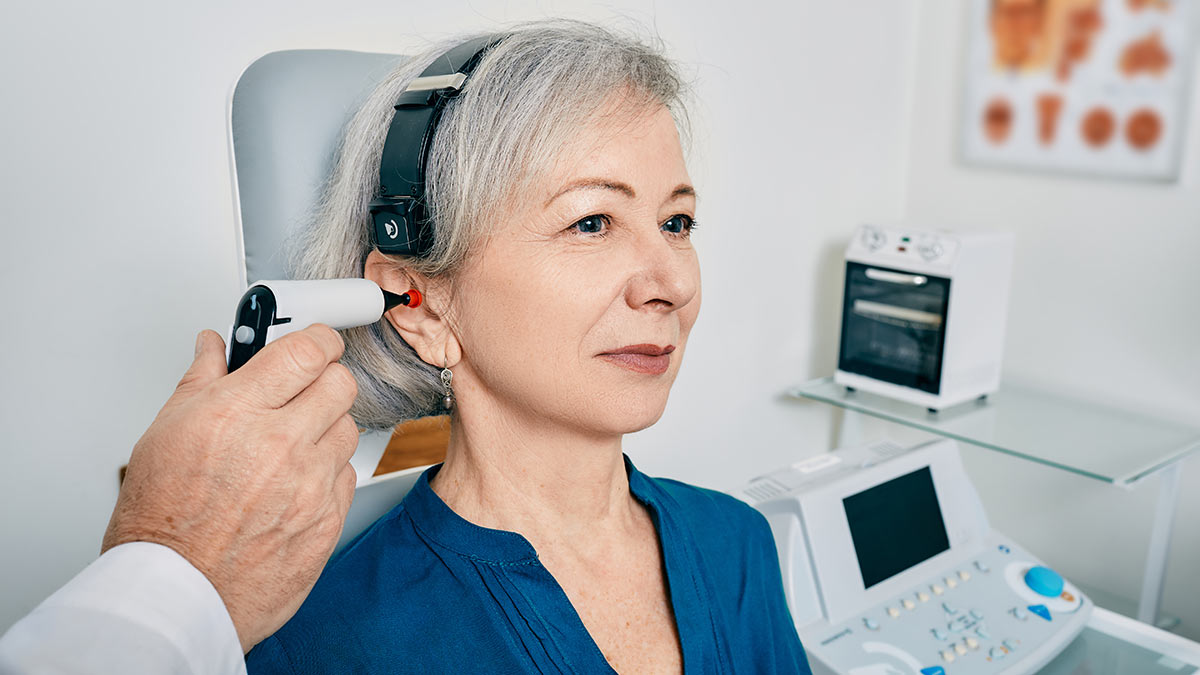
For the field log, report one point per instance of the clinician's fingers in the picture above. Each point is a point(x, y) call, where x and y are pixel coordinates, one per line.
point(287, 366)
point(316, 408)
point(208, 365)
point(339, 442)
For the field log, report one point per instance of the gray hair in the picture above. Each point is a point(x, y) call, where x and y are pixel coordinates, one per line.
point(529, 94)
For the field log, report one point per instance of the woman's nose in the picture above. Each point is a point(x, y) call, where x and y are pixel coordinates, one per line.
point(665, 275)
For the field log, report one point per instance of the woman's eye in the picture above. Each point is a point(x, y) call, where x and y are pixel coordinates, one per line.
point(679, 224)
point(595, 224)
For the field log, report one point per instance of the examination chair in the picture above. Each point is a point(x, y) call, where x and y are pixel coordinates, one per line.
point(286, 115)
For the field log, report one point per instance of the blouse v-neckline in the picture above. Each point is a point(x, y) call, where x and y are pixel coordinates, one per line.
point(512, 557)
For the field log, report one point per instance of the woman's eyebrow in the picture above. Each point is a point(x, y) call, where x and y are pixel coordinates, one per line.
point(682, 190)
point(595, 184)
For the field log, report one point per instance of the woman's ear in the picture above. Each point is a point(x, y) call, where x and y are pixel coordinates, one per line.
point(426, 331)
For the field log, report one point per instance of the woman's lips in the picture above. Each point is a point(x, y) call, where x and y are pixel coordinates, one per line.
point(644, 358)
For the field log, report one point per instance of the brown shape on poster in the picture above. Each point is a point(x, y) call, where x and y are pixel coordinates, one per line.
point(1018, 26)
point(1043, 34)
point(1139, 5)
point(997, 120)
point(1079, 32)
point(1048, 107)
point(1147, 55)
point(1143, 128)
point(1098, 126)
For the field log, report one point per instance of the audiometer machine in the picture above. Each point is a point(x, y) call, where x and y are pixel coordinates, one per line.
point(890, 566)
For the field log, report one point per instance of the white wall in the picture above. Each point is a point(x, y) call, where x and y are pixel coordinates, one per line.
point(118, 243)
point(1105, 306)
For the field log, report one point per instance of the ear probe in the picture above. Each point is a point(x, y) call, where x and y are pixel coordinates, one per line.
point(412, 299)
point(271, 309)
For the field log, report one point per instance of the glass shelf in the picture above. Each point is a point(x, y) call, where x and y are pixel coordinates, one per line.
point(1107, 444)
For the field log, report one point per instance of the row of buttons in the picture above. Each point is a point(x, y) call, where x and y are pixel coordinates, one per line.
point(959, 648)
point(994, 654)
point(947, 582)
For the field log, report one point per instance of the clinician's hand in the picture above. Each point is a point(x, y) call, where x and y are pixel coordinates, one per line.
point(247, 475)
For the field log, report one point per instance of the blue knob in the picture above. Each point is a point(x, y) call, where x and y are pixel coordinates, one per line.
point(1044, 581)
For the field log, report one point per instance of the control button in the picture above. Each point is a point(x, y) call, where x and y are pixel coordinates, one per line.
point(948, 656)
point(870, 623)
point(872, 238)
point(1044, 581)
point(922, 596)
point(1010, 645)
point(908, 604)
point(937, 590)
point(964, 575)
point(939, 634)
point(950, 582)
point(976, 614)
point(893, 612)
point(972, 642)
point(930, 249)
point(1041, 610)
point(948, 609)
point(982, 566)
point(995, 653)
point(244, 334)
point(933, 670)
point(960, 648)
point(982, 632)
point(1066, 595)
point(1021, 614)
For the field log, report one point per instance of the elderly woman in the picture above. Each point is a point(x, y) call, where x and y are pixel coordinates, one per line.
point(559, 293)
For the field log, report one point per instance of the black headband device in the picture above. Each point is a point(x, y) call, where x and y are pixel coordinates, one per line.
point(400, 219)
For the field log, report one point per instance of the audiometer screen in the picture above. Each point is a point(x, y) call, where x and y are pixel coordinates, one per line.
point(896, 525)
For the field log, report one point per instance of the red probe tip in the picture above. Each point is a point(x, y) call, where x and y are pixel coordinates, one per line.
point(414, 298)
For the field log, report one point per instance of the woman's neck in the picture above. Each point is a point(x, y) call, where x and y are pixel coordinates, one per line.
point(541, 480)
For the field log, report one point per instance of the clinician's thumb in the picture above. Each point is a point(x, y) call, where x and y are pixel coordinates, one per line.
point(209, 364)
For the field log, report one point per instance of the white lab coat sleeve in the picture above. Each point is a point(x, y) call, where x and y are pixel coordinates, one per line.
point(139, 608)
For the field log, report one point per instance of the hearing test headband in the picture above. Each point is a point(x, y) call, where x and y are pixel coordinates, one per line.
point(399, 215)
point(400, 224)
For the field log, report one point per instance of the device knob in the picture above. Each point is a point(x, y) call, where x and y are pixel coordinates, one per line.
point(1044, 581)
point(873, 239)
point(930, 249)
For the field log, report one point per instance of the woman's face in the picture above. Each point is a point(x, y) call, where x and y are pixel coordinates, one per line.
point(577, 311)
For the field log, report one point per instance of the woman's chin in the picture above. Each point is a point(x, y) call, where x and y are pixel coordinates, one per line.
point(627, 419)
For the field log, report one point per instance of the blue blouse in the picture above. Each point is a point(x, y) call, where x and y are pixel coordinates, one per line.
point(423, 590)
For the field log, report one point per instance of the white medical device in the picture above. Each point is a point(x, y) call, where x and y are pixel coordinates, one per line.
point(271, 309)
point(923, 314)
point(890, 566)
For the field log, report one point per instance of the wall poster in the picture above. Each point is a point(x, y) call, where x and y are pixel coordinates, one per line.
point(1088, 86)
